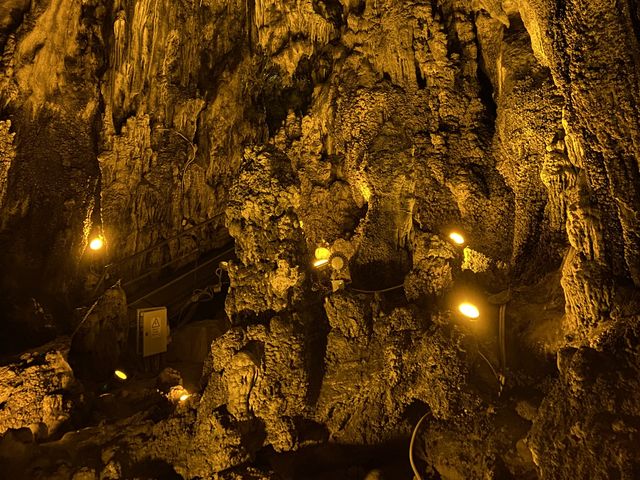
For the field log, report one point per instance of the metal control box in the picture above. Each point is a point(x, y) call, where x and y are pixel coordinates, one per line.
point(152, 331)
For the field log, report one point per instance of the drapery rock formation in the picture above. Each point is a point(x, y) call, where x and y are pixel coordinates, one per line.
point(369, 129)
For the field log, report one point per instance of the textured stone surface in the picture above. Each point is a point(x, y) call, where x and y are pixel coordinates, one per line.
point(261, 217)
point(35, 390)
point(588, 425)
point(378, 364)
point(598, 126)
point(104, 111)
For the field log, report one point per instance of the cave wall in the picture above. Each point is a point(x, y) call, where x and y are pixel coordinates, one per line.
point(165, 115)
point(588, 64)
point(115, 123)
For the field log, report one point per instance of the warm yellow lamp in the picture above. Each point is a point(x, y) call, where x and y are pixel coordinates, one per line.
point(96, 243)
point(469, 310)
point(322, 253)
point(321, 262)
point(456, 238)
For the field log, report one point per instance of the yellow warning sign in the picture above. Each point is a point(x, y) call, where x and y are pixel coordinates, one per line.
point(155, 327)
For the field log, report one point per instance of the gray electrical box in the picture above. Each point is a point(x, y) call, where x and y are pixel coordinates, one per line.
point(153, 331)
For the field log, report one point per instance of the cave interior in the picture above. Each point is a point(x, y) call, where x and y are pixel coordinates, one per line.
point(320, 239)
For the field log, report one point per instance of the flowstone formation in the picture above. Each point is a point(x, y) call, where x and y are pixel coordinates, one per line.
point(338, 143)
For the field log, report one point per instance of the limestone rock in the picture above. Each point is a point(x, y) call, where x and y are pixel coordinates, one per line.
point(270, 243)
point(263, 375)
point(7, 154)
point(587, 425)
point(36, 390)
point(373, 373)
point(371, 129)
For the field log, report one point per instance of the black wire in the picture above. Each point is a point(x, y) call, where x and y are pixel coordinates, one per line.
point(377, 291)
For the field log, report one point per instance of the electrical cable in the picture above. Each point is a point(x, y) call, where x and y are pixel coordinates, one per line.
point(187, 164)
point(377, 291)
point(198, 295)
point(413, 439)
point(495, 374)
point(502, 338)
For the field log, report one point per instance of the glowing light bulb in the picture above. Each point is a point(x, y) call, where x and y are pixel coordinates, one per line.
point(96, 244)
point(184, 396)
point(322, 253)
point(456, 238)
point(120, 374)
point(321, 262)
point(337, 263)
point(469, 310)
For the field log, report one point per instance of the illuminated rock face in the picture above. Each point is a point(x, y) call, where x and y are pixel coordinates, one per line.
point(115, 121)
point(373, 129)
point(35, 391)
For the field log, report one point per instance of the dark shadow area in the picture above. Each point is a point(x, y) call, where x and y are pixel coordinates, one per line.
point(334, 461)
point(152, 470)
point(378, 275)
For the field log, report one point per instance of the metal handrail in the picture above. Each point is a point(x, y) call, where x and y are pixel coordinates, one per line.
point(181, 277)
point(164, 242)
point(160, 267)
point(144, 251)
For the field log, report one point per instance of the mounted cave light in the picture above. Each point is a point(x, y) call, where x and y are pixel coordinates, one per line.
point(322, 255)
point(457, 238)
point(337, 262)
point(96, 243)
point(120, 375)
point(178, 394)
point(469, 310)
point(320, 262)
